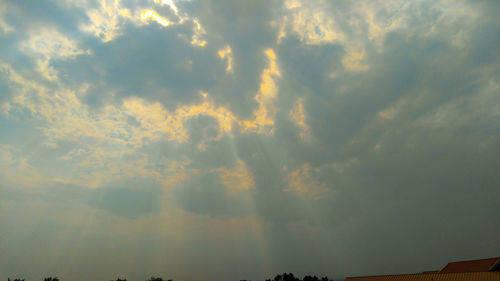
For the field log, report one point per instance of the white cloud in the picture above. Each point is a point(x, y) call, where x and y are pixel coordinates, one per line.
point(106, 21)
point(47, 45)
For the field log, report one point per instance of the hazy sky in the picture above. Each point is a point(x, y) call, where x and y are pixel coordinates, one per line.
point(227, 140)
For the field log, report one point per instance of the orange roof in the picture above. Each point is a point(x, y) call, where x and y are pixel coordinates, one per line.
point(467, 276)
point(471, 266)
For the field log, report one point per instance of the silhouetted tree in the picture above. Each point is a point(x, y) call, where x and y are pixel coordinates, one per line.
point(286, 277)
point(291, 277)
point(118, 279)
point(51, 279)
point(310, 278)
point(155, 279)
point(15, 279)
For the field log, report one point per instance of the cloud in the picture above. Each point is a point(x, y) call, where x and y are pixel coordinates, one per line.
point(152, 15)
point(263, 122)
point(66, 118)
point(48, 45)
point(298, 116)
point(170, 4)
point(226, 53)
point(320, 123)
point(52, 44)
point(314, 26)
point(238, 178)
point(311, 23)
point(5, 28)
point(302, 184)
point(17, 171)
point(353, 60)
point(106, 21)
point(387, 114)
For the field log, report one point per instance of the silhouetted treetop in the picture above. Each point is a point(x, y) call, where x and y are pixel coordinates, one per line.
point(291, 277)
point(155, 279)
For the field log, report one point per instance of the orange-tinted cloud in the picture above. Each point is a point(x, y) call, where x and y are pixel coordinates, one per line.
point(302, 184)
point(298, 116)
point(263, 122)
point(238, 178)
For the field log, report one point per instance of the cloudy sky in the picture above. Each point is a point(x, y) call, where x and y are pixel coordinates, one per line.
point(224, 140)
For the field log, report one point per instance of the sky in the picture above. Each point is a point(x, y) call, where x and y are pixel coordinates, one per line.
point(226, 140)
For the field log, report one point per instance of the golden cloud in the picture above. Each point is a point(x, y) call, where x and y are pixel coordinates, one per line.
point(302, 184)
point(238, 178)
point(298, 116)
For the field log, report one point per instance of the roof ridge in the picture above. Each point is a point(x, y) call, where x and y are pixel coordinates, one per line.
point(437, 273)
point(496, 258)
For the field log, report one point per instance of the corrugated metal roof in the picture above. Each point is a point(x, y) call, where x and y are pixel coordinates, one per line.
point(470, 266)
point(465, 276)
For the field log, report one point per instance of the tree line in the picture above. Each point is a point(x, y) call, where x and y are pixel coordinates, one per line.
point(279, 277)
point(291, 277)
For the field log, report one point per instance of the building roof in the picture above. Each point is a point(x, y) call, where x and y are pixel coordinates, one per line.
point(464, 276)
point(474, 270)
point(472, 266)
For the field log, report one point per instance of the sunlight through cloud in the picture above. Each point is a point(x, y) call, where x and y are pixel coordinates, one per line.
point(152, 15)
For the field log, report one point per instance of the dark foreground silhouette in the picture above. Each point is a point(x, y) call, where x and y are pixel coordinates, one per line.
point(291, 277)
point(279, 277)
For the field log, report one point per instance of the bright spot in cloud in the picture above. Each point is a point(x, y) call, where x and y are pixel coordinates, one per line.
point(263, 122)
point(105, 22)
point(198, 31)
point(152, 15)
point(227, 53)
